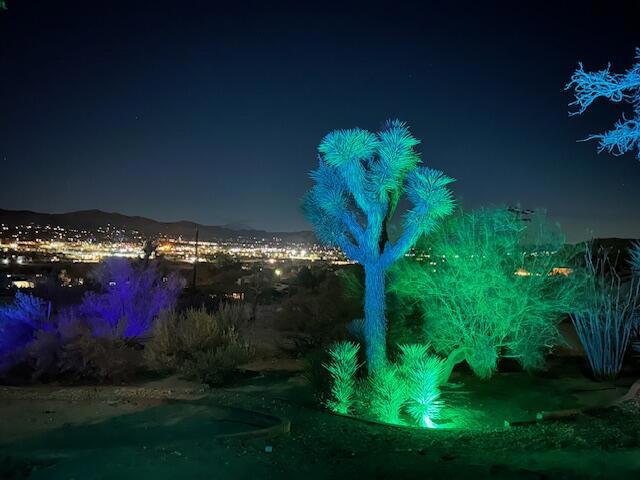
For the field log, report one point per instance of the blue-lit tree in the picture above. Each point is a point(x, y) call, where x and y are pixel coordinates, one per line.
point(358, 183)
point(617, 87)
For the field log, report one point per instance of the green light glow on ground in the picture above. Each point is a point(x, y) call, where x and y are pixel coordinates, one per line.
point(405, 392)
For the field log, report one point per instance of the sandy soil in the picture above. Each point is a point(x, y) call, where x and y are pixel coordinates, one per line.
point(105, 440)
point(27, 411)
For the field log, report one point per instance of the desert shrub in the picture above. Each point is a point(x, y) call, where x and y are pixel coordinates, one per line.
point(342, 367)
point(487, 284)
point(355, 328)
point(388, 393)
point(315, 374)
point(605, 324)
point(131, 296)
point(67, 350)
point(321, 313)
point(98, 340)
point(198, 344)
point(19, 322)
point(408, 387)
point(422, 374)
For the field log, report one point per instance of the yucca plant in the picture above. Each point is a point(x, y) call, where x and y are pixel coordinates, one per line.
point(422, 373)
point(342, 367)
point(388, 393)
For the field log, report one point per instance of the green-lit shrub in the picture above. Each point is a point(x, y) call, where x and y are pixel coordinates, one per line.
point(422, 374)
point(199, 345)
point(342, 367)
point(401, 392)
point(388, 393)
point(486, 283)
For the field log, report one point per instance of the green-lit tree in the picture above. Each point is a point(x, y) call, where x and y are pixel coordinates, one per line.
point(487, 284)
point(360, 179)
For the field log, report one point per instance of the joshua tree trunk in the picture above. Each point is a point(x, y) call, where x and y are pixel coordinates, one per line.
point(374, 320)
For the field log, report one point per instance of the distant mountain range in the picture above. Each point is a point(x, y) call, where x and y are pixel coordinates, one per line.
point(90, 220)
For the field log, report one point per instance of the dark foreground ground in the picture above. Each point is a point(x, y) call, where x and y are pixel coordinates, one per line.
point(54, 435)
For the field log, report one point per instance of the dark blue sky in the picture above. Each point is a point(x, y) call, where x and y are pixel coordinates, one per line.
point(212, 111)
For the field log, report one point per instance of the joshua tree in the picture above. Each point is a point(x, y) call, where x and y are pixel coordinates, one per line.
point(358, 183)
point(616, 87)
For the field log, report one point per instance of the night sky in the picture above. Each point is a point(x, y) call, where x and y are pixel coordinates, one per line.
point(212, 111)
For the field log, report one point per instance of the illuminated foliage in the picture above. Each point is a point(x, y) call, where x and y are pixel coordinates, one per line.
point(616, 87)
point(422, 374)
point(388, 393)
point(131, 297)
point(401, 391)
point(485, 285)
point(610, 311)
point(360, 179)
point(19, 322)
point(342, 367)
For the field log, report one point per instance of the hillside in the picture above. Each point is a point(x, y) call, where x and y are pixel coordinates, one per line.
point(92, 219)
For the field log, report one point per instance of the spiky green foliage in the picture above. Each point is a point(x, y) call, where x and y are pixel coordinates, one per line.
point(343, 367)
point(463, 281)
point(357, 186)
point(388, 393)
point(422, 374)
point(408, 387)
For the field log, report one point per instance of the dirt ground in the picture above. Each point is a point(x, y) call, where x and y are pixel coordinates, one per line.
point(160, 430)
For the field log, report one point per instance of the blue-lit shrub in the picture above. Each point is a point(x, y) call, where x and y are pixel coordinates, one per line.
point(18, 323)
point(605, 324)
point(96, 340)
point(130, 298)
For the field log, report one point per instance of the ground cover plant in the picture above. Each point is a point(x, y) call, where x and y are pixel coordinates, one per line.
point(19, 321)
